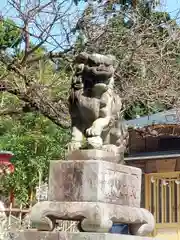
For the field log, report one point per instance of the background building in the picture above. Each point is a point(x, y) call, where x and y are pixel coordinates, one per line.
point(154, 146)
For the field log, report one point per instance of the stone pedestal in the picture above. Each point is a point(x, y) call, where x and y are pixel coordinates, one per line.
point(94, 181)
point(29, 235)
point(93, 188)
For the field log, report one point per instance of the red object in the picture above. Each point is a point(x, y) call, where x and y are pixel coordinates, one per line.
point(5, 158)
point(12, 197)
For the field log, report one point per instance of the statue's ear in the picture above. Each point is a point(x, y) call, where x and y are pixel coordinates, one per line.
point(114, 61)
point(81, 58)
point(91, 62)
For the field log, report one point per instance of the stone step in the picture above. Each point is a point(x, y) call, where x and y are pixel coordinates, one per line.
point(37, 235)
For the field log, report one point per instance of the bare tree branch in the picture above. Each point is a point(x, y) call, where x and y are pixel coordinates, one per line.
point(147, 51)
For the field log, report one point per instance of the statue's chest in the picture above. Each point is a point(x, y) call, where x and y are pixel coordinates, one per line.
point(88, 107)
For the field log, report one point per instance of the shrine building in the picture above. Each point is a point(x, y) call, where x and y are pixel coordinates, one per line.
point(154, 146)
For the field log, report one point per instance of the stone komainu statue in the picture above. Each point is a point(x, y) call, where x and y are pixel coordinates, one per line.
point(94, 107)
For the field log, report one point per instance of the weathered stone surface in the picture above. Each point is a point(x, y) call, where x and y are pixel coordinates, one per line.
point(95, 154)
point(35, 235)
point(94, 217)
point(3, 221)
point(29, 235)
point(94, 107)
point(93, 181)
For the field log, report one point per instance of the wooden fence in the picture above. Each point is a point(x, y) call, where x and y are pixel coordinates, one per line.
point(18, 219)
point(162, 199)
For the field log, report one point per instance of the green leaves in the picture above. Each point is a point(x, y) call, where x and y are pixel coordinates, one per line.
point(10, 34)
point(142, 109)
point(35, 141)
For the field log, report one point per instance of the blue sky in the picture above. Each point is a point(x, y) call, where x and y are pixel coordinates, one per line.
point(69, 12)
point(171, 6)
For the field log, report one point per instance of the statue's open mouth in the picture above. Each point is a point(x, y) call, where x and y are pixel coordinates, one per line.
point(100, 82)
point(99, 72)
point(97, 81)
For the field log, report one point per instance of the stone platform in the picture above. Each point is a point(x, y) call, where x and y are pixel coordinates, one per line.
point(94, 181)
point(96, 193)
point(37, 235)
point(94, 216)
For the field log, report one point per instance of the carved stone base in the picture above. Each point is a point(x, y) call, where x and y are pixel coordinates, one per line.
point(94, 217)
point(94, 154)
point(35, 235)
point(94, 181)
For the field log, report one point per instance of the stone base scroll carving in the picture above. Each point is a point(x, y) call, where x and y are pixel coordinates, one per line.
point(94, 217)
point(95, 192)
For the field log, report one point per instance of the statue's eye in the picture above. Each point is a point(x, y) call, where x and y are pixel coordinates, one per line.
point(91, 63)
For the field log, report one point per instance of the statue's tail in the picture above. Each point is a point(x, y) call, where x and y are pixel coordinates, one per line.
point(123, 133)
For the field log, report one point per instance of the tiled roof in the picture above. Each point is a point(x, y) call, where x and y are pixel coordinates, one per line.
point(153, 155)
point(167, 117)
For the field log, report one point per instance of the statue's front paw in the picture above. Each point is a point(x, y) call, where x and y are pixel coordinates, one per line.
point(72, 146)
point(93, 132)
point(94, 142)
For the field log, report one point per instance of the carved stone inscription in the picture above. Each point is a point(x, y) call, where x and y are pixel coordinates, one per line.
point(121, 188)
point(73, 181)
point(93, 181)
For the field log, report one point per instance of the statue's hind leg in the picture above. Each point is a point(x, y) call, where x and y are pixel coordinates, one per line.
point(76, 138)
